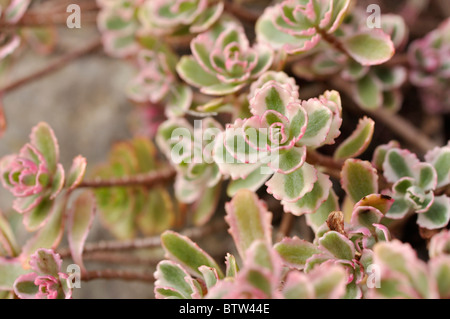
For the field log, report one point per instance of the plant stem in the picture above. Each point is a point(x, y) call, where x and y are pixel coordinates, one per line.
point(148, 242)
point(118, 274)
point(151, 179)
point(111, 258)
point(287, 222)
point(54, 66)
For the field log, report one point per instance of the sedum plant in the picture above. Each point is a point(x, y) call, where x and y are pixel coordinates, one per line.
point(244, 108)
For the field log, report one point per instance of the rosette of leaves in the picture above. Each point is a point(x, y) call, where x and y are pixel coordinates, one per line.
point(179, 17)
point(348, 244)
point(374, 84)
point(429, 58)
point(222, 60)
point(272, 145)
point(118, 23)
point(125, 210)
point(157, 82)
point(35, 176)
point(403, 275)
point(415, 184)
point(190, 151)
point(189, 272)
point(46, 281)
point(297, 26)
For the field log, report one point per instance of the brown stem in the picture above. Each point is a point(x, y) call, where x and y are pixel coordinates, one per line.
point(287, 222)
point(151, 179)
point(127, 259)
point(54, 66)
point(241, 12)
point(117, 274)
point(148, 242)
point(333, 41)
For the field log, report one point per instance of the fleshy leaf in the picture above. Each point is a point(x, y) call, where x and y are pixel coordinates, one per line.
point(206, 206)
point(252, 182)
point(359, 179)
point(48, 236)
point(338, 245)
point(191, 72)
point(209, 275)
point(231, 266)
point(295, 251)
point(358, 141)
point(46, 262)
point(80, 222)
point(380, 152)
point(292, 187)
point(368, 92)
point(181, 249)
point(311, 201)
point(57, 181)
point(370, 48)
point(39, 215)
point(43, 138)
point(440, 159)
point(319, 122)
point(249, 220)
point(440, 270)
point(76, 172)
point(172, 281)
point(10, 270)
point(437, 216)
point(317, 219)
point(298, 286)
point(24, 286)
point(399, 163)
point(329, 281)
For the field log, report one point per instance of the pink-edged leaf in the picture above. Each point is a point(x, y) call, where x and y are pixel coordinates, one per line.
point(172, 281)
point(399, 208)
point(337, 245)
point(309, 203)
point(437, 216)
point(369, 48)
point(205, 207)
point(329, 281)
point(38, 216)
point(358, 141)
point(320, 119)
point(184, 251)
point(292, 187)
point(8, 242)
point(57, 181)
point(440, 271)
point(399, 163)
point(26, 204)
point(366, 216)
point(359, 179)
point(381, 202)
point(298, 286)
point(46, 262)
point(295, 251)
point(261, 254)
point(426, 176)
point(25, 288)
point(49, 236)
point(210, 276)
point(43, 138)
point(10, 270)
point(440, 244)
point(317, 219)
point(380, 152)
point(400, 260)
point(249, 220)
point(16, 10)
point(81, 217)
point(231, 266)
point(440, 159)
point(252, 182)
point(76, 172)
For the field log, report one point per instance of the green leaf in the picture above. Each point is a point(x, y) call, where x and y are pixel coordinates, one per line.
point(317, 219)
point(172, 281)
point(437, 216)
point(252, 182)
point(368, 93)
point(191, 72)
point(359, 179)
point(157, 212)
point(319, 122)
point(181, 249)
point(36, 218)
point(338, 245)
point(206, 206)
point(399, 208)
point(43, 138)
point(232, 267)
point(295, 251)
point(57, 181)
point(440, 270)
point(440, 159)
point(249, 220)
point(8, 243)
point(369, 48)
point(81, 217)
point(358, 141)
point(76, 172)
point(10, 270)
point(398, 164)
